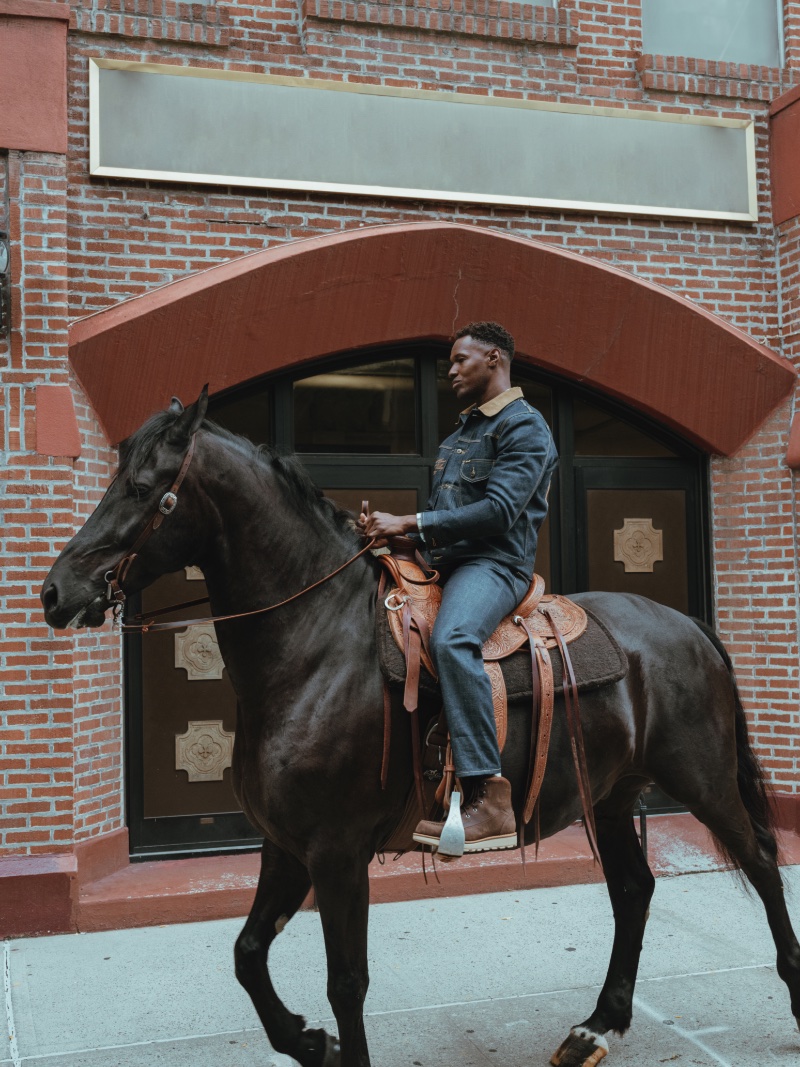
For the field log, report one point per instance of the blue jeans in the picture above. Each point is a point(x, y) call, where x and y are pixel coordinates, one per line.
point(475, 597)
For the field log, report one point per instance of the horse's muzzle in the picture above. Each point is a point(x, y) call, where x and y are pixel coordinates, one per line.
point(67, 612)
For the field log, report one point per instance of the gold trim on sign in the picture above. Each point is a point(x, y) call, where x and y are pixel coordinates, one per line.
point(468, 100)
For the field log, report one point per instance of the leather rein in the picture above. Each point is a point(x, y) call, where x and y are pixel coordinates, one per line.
point(114, 577)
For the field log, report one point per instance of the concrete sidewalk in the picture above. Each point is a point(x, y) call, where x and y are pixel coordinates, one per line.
point(461, 982)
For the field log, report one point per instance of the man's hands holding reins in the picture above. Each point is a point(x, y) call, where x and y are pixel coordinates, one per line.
point(382, 524)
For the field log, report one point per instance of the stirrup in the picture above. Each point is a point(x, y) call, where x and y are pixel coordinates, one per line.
point(451, 841)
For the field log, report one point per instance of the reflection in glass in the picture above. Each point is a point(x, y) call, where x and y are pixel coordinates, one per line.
point(368, 409)
point(728, 31)
point(247, 414)
point(597, 433)
point(449, 407)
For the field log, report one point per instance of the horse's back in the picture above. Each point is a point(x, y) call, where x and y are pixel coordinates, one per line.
point(676, 690)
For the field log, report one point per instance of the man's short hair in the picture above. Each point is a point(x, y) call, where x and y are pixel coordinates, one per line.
point(491, 333)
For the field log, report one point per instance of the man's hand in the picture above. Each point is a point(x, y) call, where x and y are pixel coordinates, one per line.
point(382, 524)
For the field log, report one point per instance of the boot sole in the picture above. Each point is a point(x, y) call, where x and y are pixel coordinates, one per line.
point(488, 844)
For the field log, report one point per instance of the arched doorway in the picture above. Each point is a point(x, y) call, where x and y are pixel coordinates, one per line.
point(640, 384)
point(368, 424)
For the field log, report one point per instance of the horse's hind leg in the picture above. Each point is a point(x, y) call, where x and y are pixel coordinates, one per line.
point(341, 883)
point(754, 850)
point(282, 886)
point(630, 886)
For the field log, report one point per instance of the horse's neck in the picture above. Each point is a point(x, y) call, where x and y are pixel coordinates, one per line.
point(264, 550)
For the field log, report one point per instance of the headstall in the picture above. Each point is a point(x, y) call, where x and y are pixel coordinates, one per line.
point(114, 577)
point(166, 505)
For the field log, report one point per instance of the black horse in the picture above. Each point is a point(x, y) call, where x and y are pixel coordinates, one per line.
point(309, 736)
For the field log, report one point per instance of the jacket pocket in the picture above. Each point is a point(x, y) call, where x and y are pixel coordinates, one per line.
point(476, 470)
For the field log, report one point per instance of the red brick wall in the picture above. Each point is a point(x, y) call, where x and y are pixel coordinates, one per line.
point(36, 765)
point(62, 726)
point(98, 724)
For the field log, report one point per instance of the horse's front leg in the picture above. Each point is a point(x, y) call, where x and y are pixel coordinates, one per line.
point(341, 884)
point(282, 886)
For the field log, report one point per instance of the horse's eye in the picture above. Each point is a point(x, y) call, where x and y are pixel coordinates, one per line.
point(137, 490)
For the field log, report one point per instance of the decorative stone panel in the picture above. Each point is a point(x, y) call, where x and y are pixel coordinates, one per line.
point(197, 652)
point(204, 751)
point(638, 546)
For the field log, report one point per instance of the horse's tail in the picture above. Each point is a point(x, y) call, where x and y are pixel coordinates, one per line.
point(754, 788)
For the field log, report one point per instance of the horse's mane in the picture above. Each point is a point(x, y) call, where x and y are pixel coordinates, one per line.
point(303, 494)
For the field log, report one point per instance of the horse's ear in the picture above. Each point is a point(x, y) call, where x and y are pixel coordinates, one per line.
point(175, 406)
point(190, 419)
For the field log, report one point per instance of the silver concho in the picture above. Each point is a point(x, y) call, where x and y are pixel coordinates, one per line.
point(167, 503)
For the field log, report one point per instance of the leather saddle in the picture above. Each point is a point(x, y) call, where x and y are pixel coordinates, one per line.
point(537, 609)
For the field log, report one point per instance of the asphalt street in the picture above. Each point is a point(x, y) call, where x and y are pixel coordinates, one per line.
point(462, 982)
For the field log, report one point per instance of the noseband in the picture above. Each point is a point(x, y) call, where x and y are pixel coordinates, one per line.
point(166, 505)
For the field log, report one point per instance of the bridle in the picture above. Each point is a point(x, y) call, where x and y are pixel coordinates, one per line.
point(114, 577)
point(166, 505)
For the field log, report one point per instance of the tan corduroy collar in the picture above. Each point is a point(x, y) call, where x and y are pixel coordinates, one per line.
point(497, 403)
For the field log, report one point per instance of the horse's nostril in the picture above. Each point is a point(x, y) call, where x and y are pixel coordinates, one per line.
point(50, 598)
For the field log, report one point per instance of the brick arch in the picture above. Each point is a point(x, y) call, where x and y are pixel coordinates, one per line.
point(289, 305)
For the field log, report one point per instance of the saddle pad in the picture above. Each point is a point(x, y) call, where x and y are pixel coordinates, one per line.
point(596, 658)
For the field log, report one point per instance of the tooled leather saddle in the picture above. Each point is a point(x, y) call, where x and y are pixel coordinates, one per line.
point(543, 621)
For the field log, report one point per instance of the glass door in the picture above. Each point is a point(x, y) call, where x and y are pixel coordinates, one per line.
point(627, 512)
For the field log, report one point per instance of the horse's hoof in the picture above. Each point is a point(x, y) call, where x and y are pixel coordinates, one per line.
point(318, 1049)
point(332, 1056)
point(581, 1049)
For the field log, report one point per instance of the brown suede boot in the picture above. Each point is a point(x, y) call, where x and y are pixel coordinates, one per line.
point(488, 819)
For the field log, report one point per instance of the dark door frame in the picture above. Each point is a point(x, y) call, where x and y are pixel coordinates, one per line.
point(230, 832)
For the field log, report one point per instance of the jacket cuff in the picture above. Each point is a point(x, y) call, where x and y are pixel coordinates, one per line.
point(421, 528)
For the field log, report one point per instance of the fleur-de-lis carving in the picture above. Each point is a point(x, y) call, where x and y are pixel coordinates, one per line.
point(204, 750)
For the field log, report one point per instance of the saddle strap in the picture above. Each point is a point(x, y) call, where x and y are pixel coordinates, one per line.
point(387, 698)
point(575, 729)
point(543, 688)
point(416, 637)
point(447, 784)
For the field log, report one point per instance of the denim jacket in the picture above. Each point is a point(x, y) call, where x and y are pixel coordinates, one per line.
point(490, 483)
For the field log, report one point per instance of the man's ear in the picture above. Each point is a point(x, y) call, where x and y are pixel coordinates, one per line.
point(190, 419)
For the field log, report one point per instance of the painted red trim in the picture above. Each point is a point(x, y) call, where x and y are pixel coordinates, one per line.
point(33, 62)
point(98, 857)
point(218, 887)
point(787, 808)
point(39, 895)
point(289, 305)
point(35, 9)
point(784, 158)
point(784, 100)
point(57, 431)
point(793, 451)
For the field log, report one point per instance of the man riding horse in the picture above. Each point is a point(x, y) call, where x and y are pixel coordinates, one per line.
point(479, 530)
